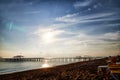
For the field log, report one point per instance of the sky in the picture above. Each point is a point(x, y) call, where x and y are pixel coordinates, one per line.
point(59, 28)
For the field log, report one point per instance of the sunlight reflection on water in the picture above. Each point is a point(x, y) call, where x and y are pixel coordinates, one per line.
point(46, 64)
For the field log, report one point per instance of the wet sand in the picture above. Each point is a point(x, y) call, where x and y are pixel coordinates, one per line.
point(76, 71)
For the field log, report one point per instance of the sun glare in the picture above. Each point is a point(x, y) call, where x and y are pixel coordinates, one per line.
point(45, 65)
point(48, 37)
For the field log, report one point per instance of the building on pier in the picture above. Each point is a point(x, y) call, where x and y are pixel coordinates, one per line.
point(18, 57)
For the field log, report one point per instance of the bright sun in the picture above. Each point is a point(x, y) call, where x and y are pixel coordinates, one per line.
point(48, 37)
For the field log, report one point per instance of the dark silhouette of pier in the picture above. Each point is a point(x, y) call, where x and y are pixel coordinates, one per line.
point(60, 59)
point(21, 59)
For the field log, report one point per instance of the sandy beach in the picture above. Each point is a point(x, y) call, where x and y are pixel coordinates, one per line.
point(76, 71)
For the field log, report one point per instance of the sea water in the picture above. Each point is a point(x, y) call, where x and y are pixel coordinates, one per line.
point(10, 67)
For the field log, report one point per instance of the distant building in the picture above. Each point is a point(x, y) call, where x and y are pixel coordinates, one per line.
point(18, 56)
point(78, 57)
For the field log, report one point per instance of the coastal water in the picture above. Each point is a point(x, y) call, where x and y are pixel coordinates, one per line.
point(10, 67)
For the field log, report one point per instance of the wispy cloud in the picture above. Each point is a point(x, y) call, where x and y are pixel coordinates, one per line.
point(111, 36)
point(67, 18)
point(98, 15)
point(32, 12)
point(86, 39)
point(76, 18)
point(82, 3)
point(85, 43)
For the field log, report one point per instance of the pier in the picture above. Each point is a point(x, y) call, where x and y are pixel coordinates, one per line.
point(20, 59)
point(73, 59)
point(60, 59)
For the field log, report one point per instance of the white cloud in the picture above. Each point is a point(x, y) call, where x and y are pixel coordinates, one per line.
point(67, 18)
point(85, 39)
point(82, 3)
point(111, 36)
point(76, 18)
point(98, 15)
point(84, 43)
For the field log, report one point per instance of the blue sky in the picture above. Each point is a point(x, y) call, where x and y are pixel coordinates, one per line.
point(58, 28)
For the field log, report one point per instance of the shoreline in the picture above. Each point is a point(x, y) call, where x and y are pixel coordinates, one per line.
point(57, 72)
